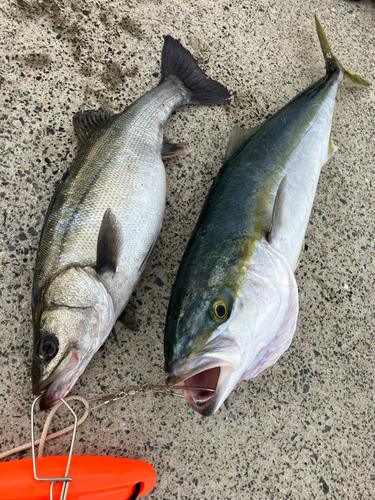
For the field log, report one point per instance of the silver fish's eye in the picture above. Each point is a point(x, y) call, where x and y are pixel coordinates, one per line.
point(220, 310)
point(47, 348)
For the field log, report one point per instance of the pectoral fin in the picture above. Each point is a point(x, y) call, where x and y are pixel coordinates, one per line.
point(109, 244)
point(278, 211)
point(114, 333)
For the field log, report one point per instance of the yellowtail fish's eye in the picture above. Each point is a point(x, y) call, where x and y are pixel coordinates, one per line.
point(220, 310)
point(47, 348)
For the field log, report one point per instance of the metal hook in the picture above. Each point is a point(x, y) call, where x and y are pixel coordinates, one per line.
point(65, 480)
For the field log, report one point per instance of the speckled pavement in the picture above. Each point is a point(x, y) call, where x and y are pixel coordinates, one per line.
point(303, 429)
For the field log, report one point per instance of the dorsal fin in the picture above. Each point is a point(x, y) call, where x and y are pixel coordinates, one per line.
point(278, 211)
point(86, 122)
point(238, 138)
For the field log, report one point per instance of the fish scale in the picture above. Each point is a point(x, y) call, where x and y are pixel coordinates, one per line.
point(129, 180)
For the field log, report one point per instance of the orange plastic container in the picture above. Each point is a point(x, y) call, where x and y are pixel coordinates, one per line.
point(94, 478)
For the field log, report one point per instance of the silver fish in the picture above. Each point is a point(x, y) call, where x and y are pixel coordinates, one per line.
point(103, 222)
point(234, 306)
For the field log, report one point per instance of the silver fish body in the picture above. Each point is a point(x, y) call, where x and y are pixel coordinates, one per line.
point(103, 222)
point(234, 306)
point(120, 168)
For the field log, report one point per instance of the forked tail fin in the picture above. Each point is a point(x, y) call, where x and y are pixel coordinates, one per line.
point(178, 61)
point(332, 62)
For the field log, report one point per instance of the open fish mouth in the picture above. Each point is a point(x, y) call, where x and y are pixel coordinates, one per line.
point(211, 372)
point(201, 399)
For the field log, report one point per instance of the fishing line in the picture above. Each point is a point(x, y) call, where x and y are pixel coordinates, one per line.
point(100, 401)
point(44, 437)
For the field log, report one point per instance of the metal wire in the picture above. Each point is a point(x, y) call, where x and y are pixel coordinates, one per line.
point(65, 480)
point(166, 390)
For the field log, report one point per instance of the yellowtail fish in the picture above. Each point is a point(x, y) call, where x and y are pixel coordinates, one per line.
point(234, 306)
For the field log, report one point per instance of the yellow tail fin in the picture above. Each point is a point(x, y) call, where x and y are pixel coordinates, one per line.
point(332, 62)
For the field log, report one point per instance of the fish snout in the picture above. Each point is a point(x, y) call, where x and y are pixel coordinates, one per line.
point(58, 383)
point(41, 386)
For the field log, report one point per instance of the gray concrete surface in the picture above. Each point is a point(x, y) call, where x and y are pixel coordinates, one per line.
point(304, 429)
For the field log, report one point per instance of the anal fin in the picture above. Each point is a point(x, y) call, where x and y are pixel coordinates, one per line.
point(301, 253)
point(332, 148)
point(170, 149)
point(128, 320)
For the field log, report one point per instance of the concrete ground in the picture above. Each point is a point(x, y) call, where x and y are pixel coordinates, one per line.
point(304, 429)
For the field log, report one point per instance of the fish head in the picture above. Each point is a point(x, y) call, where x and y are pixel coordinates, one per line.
point(191, 322)
point(203, 352)
point(200, 349)
point(72, 318)
point(260, 316)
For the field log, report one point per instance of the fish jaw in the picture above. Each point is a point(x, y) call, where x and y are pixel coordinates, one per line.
point(221, 379)
point(217, 366)
point(58, 385)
